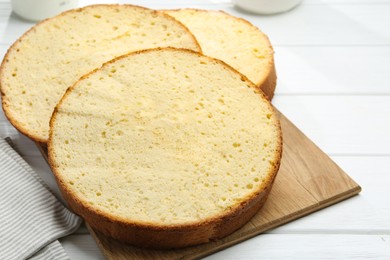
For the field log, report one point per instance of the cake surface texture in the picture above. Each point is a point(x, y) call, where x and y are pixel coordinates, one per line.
point(54, 54)
point(235, 41)
point(165, 148)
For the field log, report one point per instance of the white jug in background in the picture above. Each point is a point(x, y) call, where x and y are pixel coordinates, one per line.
point(266, 6)
point(37, 10)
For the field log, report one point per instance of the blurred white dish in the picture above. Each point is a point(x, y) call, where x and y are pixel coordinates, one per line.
point(37, 10)
point(266, 6)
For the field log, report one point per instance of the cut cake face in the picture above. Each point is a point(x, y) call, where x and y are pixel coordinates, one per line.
point(165, 148)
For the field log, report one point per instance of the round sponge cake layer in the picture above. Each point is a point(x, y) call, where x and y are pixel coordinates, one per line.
point(165, 148)
point(235, 41)
point(55, 53)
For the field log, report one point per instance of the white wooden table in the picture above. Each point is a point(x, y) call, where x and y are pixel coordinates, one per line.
point(333, 65)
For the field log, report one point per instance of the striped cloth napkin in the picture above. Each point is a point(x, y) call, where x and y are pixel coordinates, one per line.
point(31, 217)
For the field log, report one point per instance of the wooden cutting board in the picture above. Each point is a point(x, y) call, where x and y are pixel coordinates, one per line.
point(307, 181)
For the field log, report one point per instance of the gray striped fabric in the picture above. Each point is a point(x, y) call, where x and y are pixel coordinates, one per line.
point(31, 218)
point(50, 252)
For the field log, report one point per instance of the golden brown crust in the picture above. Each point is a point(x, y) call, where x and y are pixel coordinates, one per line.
point(170, 237)
point(149, 235)
point(268, 84)
point(4, 98)
point(13, 47)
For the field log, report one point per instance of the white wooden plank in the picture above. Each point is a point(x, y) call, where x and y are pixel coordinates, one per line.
point(85, 2)
point(12, 27)
point(326, 24)
point(321, 24)
point(81, 247)
point(317, 246)
point(310, 70)
point(5, 6)
point(3, 50)
point(371, 2)
point(271, 246)
point(341, 125)
point(337, 70)
point(5, 10)
point(367, 213)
